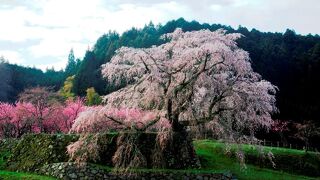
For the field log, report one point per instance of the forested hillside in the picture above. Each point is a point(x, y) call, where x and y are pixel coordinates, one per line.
point(15, 78)
point(288, 60)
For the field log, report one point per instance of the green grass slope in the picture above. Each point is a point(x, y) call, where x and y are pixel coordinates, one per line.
point(212, 157)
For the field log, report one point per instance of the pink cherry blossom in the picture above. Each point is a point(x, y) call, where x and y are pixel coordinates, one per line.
point(196, 78)
point(102, 119)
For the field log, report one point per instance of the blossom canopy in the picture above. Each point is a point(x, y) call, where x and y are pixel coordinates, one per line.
point(196, 78)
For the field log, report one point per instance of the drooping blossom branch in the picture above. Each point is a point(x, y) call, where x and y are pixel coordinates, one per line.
point(102, 119)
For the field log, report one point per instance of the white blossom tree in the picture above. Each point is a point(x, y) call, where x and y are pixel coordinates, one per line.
point(196, 78)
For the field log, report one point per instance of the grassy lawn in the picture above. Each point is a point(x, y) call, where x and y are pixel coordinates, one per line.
point(16, 176)
point(213, 158)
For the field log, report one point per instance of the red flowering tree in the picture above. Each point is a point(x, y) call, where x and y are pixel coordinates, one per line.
point(280, 127)
point(23, 117)
point(63, 116)
point(40, 101)
point(6, 117)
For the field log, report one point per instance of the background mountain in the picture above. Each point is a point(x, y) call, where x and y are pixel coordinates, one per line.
point(288, 60)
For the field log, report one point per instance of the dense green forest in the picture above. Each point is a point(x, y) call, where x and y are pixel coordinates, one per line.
point(288, 60)
point(15, 78)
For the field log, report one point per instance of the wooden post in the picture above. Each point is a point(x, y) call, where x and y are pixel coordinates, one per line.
point(290, 146)
point(264, 142)
point(278, 143)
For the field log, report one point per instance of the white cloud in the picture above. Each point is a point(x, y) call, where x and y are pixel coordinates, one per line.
point(86, 23)
point(59, 25)
point(12, 56)
point(60, 64)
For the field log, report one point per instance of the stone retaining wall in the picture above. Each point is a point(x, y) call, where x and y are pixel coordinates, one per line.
point(72, 171)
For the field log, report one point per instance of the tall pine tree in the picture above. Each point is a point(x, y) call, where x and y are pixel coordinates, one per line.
point(71, 65)
point(5, 75)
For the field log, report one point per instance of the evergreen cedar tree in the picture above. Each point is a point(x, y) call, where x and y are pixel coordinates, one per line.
point(196, 78)
point(71, 67)
point(5, 87)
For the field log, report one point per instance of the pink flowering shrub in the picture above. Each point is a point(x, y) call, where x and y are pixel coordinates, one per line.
point(6, 118)
point(23, 117)
point(63, 116)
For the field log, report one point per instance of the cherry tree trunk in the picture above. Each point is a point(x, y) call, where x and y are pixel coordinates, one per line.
point(180, 154)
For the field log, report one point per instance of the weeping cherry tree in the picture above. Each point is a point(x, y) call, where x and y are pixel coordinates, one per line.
point(196, 79)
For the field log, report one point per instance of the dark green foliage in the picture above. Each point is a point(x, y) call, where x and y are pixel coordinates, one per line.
point(52, 78)
point(71, 67)
point(19, 78)
point(6, 146)
point(287, 61)
point(89, 75)
point(36, 150)
point(106, 45)
point(5, 82)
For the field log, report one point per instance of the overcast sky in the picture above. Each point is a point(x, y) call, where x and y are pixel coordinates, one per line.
point(41, 32)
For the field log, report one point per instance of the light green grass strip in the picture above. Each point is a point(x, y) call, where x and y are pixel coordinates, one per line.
point(8, 175)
